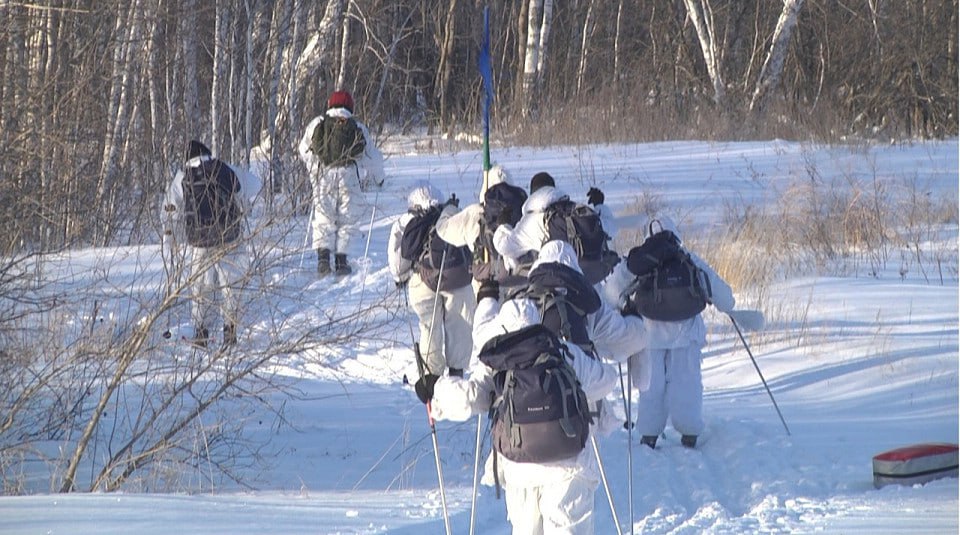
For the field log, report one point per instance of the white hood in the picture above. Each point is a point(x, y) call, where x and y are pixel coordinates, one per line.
point(557, 251)
point(542, 198)
point(423, 196)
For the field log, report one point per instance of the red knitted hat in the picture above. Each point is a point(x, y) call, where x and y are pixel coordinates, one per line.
point(340, 99)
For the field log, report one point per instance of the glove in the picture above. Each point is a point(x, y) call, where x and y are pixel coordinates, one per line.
point(424, 387)
point(488, 288)
point(453, 200)
point(595, 197)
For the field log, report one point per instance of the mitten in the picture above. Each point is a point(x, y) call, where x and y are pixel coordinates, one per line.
point(595, 197)
point(424, 387)
point(488, 288)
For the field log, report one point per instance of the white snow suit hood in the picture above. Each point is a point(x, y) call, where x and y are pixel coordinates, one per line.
point(539, 200)
point(560, 252)
point(423, 196)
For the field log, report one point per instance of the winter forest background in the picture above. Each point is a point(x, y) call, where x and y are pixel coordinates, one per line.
point(98, 99)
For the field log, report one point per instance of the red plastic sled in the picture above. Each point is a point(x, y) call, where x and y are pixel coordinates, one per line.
point(919, 463)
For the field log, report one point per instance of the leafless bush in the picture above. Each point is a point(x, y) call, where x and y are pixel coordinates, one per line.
point(95, 393)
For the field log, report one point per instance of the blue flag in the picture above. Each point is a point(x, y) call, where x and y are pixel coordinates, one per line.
point(485, 68)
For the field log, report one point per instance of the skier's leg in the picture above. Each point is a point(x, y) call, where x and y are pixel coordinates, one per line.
point(685, 396)
point(458, 326)
point(423, 300)
point(651, 407)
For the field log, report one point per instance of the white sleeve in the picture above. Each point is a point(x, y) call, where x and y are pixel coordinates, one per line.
point(596, 378)
point(527, 235)
point(457, 398)
point(399, 266)
point(607, 220)
point(721, 293)
point(171, 208)
point(461, 228)
point(616, 283)
point(372, 159)
point(616, 337)
point(308, 157)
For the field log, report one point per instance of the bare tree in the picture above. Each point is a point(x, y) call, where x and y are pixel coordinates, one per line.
point(701, 16)
point(772, 68)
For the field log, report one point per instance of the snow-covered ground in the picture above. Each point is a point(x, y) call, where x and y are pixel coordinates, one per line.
point(858, 365)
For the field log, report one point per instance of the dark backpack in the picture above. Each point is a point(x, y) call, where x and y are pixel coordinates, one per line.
point(338, 141)
point(211, 213)
point(496, 200)
point(564, 299)
point(669, 286)
point(540, 414)
point(580, 226)
point(421, 245)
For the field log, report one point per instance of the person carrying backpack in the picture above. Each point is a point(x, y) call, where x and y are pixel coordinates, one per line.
point(437, 278)
point(474, 226)
point(537, 387)
point(343, 162)
point(550, 214)
point(668, 287)
point(205, 209)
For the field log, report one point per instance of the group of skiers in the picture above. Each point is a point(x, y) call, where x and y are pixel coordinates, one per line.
point(206, 204)
point(525, 312)
point(541, 328)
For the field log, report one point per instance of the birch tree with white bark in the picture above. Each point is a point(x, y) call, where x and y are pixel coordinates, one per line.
point(772, 69)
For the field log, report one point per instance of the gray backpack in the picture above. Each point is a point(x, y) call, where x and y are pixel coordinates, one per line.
point(540, 414)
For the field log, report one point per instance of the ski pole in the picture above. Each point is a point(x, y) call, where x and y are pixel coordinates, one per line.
point(606, 486)
point(421, 366)
point(423, 370)
point(626, 409)
point(476, 472)
point(366, 249)
point(755, 365)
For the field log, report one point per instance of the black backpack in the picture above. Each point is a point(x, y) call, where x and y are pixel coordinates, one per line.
point(669, 286)
point(338, 141)
point(564, 298)
point(211, 213)
point(540, 414)
point(421, 245)
point(580, 226)
point(496, 200)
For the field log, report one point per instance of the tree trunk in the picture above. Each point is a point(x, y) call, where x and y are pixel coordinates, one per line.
point(701, 15)
point(531, 57)
point(193, 124)
point(341, 82)
point(220, 88)
point(584, 46)
point(445, 65)
point(773, 64)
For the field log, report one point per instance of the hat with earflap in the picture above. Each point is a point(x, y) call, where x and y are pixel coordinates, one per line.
point(196, 148)
point(541, 180)
point(340, 99)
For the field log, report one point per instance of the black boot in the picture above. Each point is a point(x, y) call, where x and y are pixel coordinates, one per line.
point(229, 335)
point(342, 267)
point(649, 440)
point(689, 441)
point(323, 261)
